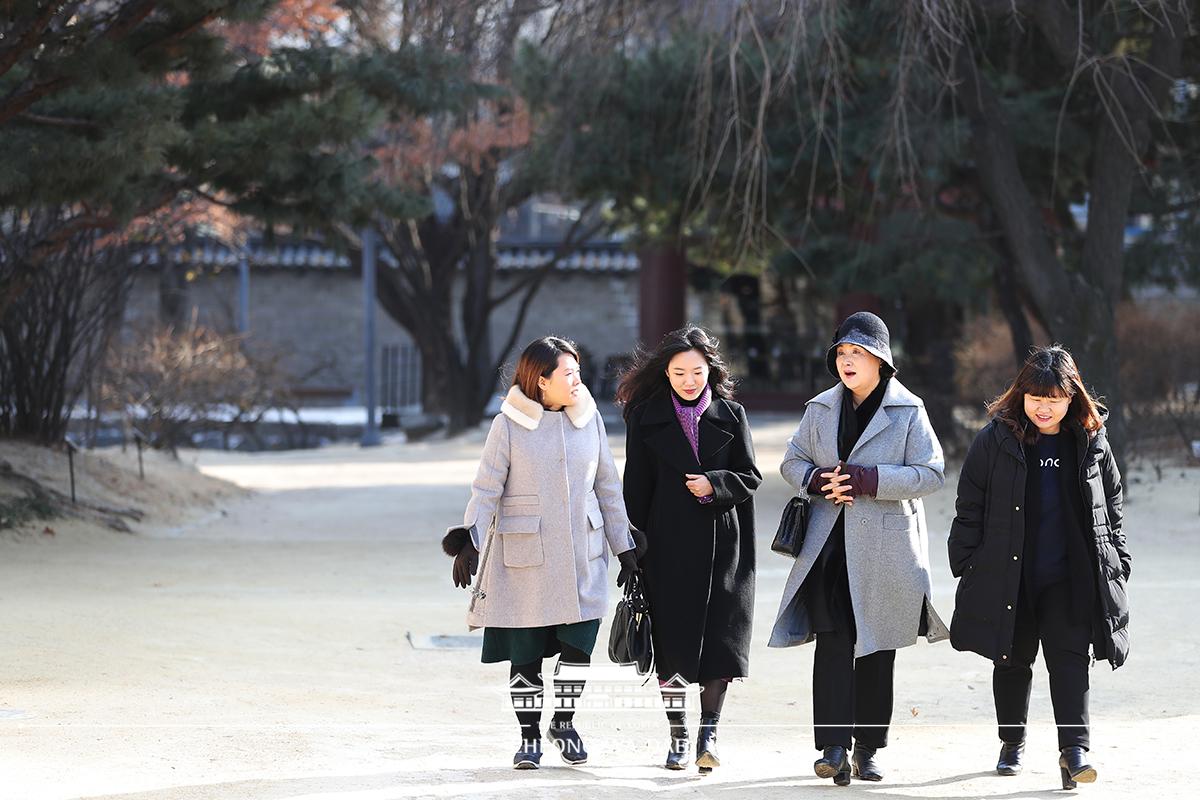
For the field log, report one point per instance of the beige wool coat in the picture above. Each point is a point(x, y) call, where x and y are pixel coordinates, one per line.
point(547, 504)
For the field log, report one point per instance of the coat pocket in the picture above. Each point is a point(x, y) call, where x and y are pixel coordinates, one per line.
point(595, 534)
point(521, 540)
point(899, 522)
point(519, 503)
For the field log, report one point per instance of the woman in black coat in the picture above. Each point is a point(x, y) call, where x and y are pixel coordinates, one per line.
point(689, 484)
point(1038, 547)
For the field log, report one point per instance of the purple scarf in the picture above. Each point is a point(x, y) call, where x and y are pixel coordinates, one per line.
point(689, 420)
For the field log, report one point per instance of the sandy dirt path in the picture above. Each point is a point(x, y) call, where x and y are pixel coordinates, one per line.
point(265, 649)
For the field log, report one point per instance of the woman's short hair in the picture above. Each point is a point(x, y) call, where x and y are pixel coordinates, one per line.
point(539, 359)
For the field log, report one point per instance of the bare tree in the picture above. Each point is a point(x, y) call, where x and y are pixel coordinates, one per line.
point(50, 342)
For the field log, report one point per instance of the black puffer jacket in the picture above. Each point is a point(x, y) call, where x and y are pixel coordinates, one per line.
point(987, 542)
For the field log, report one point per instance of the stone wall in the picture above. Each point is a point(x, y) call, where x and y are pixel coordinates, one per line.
point(314, 318)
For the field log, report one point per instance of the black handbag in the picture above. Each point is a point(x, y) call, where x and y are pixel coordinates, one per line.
point(629, 640)
point(792, 525)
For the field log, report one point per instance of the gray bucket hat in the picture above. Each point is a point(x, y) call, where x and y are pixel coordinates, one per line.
point(868, 332)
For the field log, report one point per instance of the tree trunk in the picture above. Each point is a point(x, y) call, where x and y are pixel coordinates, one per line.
point(663, 290)
point(932, 328)
point(1077, 308)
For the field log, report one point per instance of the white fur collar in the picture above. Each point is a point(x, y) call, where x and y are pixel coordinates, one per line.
point(528, 413)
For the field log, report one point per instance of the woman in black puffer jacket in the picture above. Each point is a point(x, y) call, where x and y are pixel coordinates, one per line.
point(1038, 547)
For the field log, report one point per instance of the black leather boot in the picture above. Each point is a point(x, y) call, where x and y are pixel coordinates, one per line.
point(706, 743)
point(834, 763)
point(529, 756)
point(570, 746)
point(863, 764)
point(1072, 763)
point(677, 756)
point(1009, 762)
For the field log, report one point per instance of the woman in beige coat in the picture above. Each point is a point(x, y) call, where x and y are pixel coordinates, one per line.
point(545, 509)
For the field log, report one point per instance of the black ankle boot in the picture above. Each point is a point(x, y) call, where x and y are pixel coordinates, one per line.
point(570, 746)
point(1009, 762)
point(529, 756)
point(834, 763)
point(677, 756)
point(706, 743)
point(863, 763)
point(1073, 765)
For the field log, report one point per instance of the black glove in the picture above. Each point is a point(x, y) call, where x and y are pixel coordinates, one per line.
point(629, 566)
point(466, 563)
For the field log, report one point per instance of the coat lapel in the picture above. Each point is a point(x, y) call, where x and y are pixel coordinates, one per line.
point(827, 428)
point(713, 436)
point(878, 424)
point(895, 395)
point(665, 435)
point(667, 439)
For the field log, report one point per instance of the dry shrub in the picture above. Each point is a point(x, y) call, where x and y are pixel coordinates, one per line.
point(171, 383)
point(1159, 347)
point(983, 360)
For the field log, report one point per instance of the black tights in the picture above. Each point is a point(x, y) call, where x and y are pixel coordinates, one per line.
point(712, 698)
point(526, 691)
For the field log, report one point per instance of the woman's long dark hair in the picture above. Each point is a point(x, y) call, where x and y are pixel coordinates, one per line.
point(1048, 372)
point(647, 375)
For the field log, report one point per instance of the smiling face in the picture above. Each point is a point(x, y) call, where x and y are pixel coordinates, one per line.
point(563, 387)
point(1047, 412)
point(688, 374)
point(858, 369)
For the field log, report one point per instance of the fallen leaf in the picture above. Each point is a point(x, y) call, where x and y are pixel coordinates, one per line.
point(47, 531)
point(914, 710)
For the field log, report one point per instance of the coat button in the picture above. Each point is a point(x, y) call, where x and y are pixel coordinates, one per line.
point(1014, 558)
point(1018, 508)
point(1004, 658)
point(1009, 608)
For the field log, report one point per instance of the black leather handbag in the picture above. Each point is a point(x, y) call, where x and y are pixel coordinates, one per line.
point(629, 640)
point(792, 525)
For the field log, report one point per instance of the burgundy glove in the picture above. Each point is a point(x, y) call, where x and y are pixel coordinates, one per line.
point(815, 481)
point(465, 565)
point(863, 480)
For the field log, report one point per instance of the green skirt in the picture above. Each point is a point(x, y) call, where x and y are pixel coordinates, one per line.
point(526, 645)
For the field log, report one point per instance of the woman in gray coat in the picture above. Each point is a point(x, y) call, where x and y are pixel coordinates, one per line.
point(545, 509)
point(865, 453)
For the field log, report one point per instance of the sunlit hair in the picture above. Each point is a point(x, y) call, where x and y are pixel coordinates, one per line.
point(1048, 372)
point(539, 359)
point(647, 376)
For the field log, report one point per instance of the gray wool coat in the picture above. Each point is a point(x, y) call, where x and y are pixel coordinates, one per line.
point(547, 503)
point(887, 543)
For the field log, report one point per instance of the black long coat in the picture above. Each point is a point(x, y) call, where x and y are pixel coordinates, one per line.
point(699, 568)
point(987, 541)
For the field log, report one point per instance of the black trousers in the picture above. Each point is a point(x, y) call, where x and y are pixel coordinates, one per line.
point(852, 697)
point(1064, 641)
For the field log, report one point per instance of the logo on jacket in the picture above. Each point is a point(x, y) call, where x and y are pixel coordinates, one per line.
point(1051, 462)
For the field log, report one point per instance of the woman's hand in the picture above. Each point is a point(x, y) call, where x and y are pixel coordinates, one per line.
point(699, 485)
point(833, 484)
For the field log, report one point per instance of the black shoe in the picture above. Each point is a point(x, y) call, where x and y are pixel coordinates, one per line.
point(570, 746)
point(706, 745)
point(677, 756)
point(1074, 767)
point(530, 754)
point(834, 763)
point(1009, 762)
point(863, 764)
